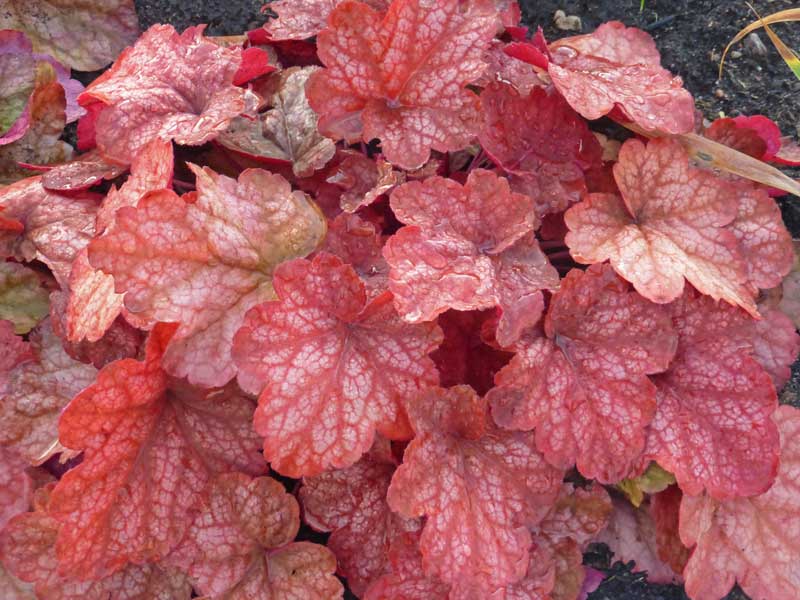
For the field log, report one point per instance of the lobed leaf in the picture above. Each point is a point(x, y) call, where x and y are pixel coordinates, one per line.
point(668, 225)
point(35, 394)
point(86, 35)
point(584, 387)
point(351, 503)
point(401, 76)
point(331, 366)
point(467, 247)
point(286, 132)
point(480, 488)
point(712, 428)
point(618, 66)
point(232, 236)
point(766, 525)
point(166, 86)
point(150, 446)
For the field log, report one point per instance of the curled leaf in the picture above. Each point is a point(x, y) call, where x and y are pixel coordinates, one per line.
point(286, 132)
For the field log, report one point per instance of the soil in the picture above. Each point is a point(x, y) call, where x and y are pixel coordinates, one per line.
point(691, 35)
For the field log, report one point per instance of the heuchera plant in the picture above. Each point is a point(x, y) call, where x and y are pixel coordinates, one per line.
point(383, 249)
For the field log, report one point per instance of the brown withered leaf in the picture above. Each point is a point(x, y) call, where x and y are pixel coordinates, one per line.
point(287, 132)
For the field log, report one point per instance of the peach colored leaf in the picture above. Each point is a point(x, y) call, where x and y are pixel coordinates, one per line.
point(35, 395)
point(55, 227)
point(631, 536)
point(27, 548)
point(295, 571)
point(84, 35)
point(151, 170)
point(584, 387)
point(764, 241)
point(480, 488)
point(231, 238)
point(239, 520)
point(166, 86)
point(668, 225)
point(93, 304)
point(302, 19)
point(333, 367)
point(776, 344)
point(351, 503)
point(23, 299)
point(466, 247)
point(402, 76)
point(620, 66)
point(286, 132)
point(150, 446)
point(40, 144)
point(712, 428)
point(83, 172)
point(767, 527)
point(541, 140)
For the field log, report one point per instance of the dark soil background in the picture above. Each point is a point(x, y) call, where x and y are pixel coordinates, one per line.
point(691, 35)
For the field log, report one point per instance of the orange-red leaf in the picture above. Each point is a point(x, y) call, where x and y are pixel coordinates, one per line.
point(467, 247)
point(150, 446)
point(93, 303)
point(401, 76)
point(541, 140)
point(480, 488)
point(27, 549)
point(712, 429)
point(333, 367)
point(766, 527)
point(584, 387)
point(352, 504)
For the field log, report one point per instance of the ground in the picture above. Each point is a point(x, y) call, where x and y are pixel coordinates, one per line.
point(690, 34)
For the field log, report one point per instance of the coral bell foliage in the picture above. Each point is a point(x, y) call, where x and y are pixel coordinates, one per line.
point(381, 248)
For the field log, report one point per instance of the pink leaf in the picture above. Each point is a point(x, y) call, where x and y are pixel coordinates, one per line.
point(668, 225)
